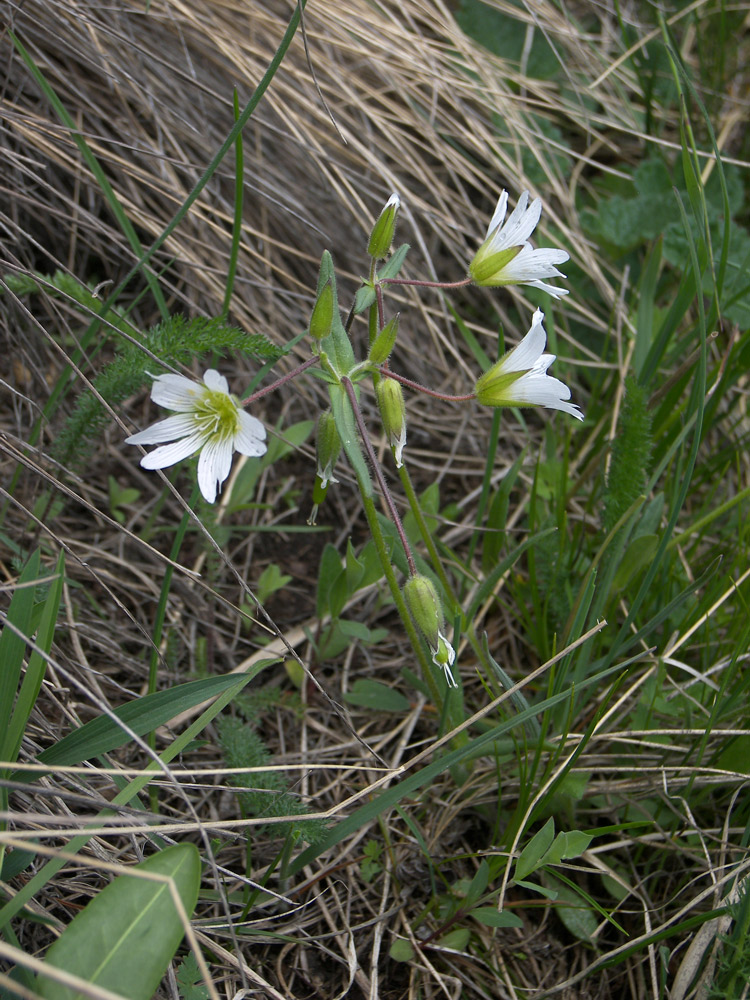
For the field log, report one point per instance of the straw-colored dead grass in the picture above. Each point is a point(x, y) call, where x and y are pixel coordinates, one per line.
point(150, 89)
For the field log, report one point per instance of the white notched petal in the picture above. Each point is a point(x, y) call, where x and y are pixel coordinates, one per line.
point(520, 225)
point(169, 429)
point(170, 454)
point(213, 466)
point(544, 390)
point(175, 392)
point(529, 351)
point(530, 264)
point(498, 215)
point(215, 381)
point(556, 293)
point(251, 436)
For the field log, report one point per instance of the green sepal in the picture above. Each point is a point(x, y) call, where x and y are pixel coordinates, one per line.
point(383, 343)
point(487, 270)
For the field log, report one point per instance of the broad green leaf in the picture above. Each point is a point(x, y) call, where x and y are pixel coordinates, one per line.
point(574, 912)
point(143, 715)
point(269, 581)
point(566, 845)
point(329, 572)
point(125, 937)
point(355, 569)
point(401, 951)
point(535, 850)
point(456, 940)
point(491, 917)
point(372, 694)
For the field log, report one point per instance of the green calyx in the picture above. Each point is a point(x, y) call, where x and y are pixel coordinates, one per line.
point(487, 268)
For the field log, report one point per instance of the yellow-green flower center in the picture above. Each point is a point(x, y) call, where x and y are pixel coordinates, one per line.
point(216, 414)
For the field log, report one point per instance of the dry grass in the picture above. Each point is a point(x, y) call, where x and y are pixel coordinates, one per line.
point(415, 100)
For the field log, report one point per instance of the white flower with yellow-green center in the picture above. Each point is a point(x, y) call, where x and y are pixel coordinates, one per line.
point(207, 419)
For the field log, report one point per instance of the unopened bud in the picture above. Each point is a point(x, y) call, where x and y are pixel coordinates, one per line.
point(393, 414)
point(383, 230)
point(321, 319)
point(384, 341)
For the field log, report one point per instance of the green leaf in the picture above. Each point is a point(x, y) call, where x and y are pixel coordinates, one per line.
point(401, 951)
point(345, 425)
point(269, 581)
point(394, 263)
point(329, 572)
point(533, 887)
point(478, 883)
point(456, 940)
point(576, 915)
point(125, 937)
point(566, 845)
point(535, 850)
point(372, 694)
point(189, 979)
point(355, 569)
point(491, 917)
point(143, 715)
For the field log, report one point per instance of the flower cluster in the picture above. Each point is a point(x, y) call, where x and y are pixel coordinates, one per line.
point(208, 420)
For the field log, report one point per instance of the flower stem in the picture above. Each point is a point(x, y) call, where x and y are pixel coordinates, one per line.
point(395, 517)
point(390, 576)
point(387, 373)
point(437, 563)
point(280, 381)
point(380, 546)
point(418, 283)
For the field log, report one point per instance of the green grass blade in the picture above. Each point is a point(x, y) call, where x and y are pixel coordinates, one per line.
point(239, 189)
point(34, 676)
point(12, 646)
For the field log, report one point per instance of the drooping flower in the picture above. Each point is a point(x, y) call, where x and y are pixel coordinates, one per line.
point(207, 419)
point(425, 608)
point(507, 258)
point(390, 397)
point(520, 377)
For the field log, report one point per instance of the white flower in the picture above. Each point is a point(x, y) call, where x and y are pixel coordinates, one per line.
point(520, 377)
point(207, 419)
point(507, 258)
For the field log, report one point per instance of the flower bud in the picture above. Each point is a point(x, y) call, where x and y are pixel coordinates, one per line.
point(424, 606)
point(393, 414)
point(383, 230)
point(321, 319)
point(384, 341)
point(327, 446)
